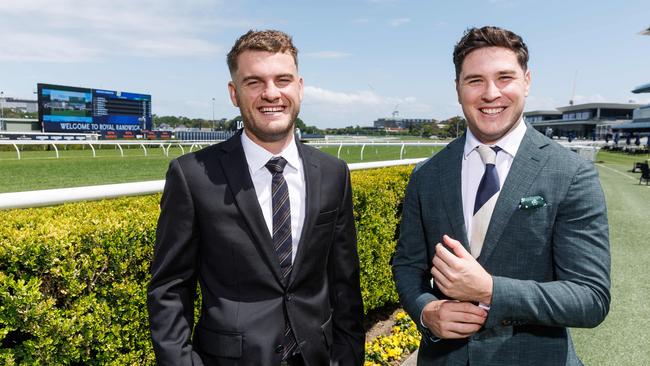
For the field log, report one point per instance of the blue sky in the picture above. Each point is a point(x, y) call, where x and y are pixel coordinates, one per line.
point(359, 58)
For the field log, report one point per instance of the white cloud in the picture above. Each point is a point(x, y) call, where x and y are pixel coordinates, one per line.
point(323, 96)
point(398, 21)
point(166, 46)
point(534, 103)
point(327, 54)
point(80, 31)
point(45, 47)
point(364, 98)
point(327, 108)
point(596, 98)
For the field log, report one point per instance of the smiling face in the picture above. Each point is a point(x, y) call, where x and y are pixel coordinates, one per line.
point(492, 89)
point(268, 90)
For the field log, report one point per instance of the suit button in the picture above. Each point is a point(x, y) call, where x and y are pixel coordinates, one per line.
point(288, 296)
point(279, 349)
point(506, 322)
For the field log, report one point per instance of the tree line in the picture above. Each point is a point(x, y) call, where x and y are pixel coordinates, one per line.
point(448, 128)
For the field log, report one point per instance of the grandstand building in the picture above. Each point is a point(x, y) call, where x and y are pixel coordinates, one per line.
point(20, 105)
point(582, 120)
point(400, 123)
point(640, 117)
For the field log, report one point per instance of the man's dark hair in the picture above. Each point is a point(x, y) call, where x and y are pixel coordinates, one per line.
point(476, 38)
point(267, 40)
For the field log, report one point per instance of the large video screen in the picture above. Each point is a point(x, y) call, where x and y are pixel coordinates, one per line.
point(72, 109)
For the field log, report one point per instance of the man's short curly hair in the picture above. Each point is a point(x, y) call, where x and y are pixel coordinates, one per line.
point(267, 40)
point(489, 36)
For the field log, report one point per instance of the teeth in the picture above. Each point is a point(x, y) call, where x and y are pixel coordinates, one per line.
point(271, 109)
point(492, 110)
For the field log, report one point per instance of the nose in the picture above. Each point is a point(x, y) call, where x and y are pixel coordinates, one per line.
point(271, 92)
point(491, 91)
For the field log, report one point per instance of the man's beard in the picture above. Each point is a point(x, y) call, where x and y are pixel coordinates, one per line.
point(270, 136)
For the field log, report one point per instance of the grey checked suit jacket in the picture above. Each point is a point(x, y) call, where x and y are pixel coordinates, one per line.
point(550, 265)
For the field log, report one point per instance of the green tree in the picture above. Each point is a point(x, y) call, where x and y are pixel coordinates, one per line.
point(454, 126)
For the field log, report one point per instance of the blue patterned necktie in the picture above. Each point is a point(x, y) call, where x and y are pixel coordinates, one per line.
point(282, 242)
point(486, 198)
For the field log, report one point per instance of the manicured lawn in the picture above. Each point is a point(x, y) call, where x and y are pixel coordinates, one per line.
point(624, 336)
point(352, 154)
point(42, 170)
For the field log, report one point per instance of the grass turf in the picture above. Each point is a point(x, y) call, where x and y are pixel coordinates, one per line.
point(623, 338)
point(41, 169)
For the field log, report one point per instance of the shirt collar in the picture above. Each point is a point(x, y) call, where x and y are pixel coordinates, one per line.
point(508, 143)
point(257, 156)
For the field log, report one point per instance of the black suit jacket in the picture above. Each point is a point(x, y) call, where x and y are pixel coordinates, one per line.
point(211, 230)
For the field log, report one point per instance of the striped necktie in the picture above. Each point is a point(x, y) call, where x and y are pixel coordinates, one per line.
point(486, 198)
point(282, 242)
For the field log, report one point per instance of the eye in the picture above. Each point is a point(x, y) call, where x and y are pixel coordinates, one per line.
point(252, 83)
point(474, 81)
point(282, 82)
point(506, 78)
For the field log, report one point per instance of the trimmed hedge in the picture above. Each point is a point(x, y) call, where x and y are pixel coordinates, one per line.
point(377, 198)
point(73, 278)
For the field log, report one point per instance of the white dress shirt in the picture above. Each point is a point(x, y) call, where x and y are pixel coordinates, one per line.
point(257, 157)
point(473, 167)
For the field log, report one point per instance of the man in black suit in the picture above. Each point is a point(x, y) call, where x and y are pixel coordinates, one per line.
point(265, 225)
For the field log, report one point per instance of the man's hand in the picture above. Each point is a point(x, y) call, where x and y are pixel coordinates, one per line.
point(453, 319)
point(458, 275)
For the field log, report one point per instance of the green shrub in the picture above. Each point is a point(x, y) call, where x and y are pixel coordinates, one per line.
point(73, 278)
point(377, 197)
point(73, 283)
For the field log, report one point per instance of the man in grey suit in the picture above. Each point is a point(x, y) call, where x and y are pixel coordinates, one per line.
point(504, 235)
point(264, 225)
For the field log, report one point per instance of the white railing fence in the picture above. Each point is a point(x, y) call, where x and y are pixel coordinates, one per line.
point(165, 145)
point(50, 197)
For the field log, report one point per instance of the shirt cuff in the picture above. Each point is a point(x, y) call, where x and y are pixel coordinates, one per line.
point(426, 331)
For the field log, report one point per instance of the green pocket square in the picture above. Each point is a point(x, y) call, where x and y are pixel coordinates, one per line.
point(532, 202)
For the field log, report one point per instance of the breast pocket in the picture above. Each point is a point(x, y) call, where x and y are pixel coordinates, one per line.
point(530, 227)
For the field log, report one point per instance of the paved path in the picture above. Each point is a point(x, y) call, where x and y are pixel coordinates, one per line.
point(411, 360)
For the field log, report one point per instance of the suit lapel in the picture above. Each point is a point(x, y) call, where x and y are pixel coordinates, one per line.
point(526, 165)
point(452, 193)
point(311, 167)
point(235, 168)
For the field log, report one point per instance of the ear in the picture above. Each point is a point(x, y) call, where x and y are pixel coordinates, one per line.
point(232, 91)
point(527, 81)
point(301, 86)
point(458, 91)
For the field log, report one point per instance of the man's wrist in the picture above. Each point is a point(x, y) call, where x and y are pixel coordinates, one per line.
point(486, 297)
point(426, 332)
